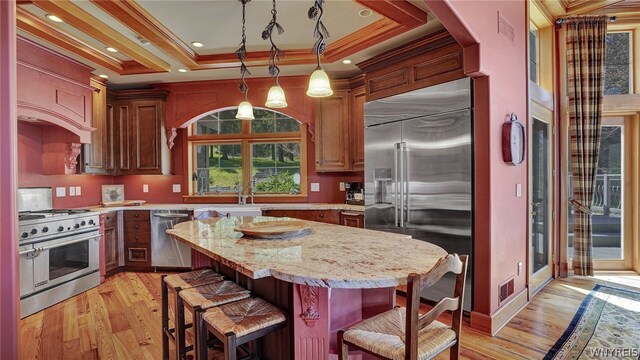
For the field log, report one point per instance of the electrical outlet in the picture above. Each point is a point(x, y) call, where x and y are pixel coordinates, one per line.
point(519, 267)
point(78, 191)
point(315, 187)
point(60, 191)
point(72, 191)
point(341, 186)
point(145, 188)
point(518, 190)
point(176, 188)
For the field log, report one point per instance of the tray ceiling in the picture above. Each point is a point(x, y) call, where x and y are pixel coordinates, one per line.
point(170, 27)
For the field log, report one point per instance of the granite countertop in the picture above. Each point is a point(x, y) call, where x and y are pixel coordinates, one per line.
point(296, 206)
point(328, 255)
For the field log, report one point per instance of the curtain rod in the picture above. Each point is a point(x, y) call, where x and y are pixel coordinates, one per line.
point(561, 21)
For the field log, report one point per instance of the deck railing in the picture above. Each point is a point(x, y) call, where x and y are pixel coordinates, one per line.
point(607, 199)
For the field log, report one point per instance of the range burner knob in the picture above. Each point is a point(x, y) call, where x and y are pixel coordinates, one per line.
point(24, 235)
point(83, 223)
point(34, 231)
point(76, 226)
point(45, 229)
point(91, 222)
point(60, 228)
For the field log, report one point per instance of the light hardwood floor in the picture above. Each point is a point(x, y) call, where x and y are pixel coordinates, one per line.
point(120, 319)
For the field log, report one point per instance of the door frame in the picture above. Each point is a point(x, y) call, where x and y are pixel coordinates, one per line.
point(537, 281)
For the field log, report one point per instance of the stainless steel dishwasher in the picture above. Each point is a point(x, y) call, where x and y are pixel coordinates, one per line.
point(167, 252)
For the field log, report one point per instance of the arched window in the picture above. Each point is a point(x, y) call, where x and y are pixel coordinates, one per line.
point(264, 156)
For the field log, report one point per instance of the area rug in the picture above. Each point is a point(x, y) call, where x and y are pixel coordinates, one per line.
point(607, 326)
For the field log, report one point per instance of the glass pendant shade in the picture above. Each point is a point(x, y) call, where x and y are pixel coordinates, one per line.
point(276, 98)
point(319, 85)
point(245, 111)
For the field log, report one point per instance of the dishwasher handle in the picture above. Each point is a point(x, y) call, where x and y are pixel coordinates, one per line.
point(172, 216)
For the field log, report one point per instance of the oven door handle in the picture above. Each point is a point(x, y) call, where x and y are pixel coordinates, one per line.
point(69, 242)
point(27, 252)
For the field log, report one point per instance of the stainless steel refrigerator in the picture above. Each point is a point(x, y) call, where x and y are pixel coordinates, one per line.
point(419, 171)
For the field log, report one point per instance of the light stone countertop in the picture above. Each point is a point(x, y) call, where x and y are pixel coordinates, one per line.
point(292, 206)
point(328, 255)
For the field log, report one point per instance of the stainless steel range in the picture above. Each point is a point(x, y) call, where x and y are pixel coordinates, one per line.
point(58, 249)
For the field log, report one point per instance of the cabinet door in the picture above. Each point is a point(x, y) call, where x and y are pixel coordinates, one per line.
point(352, 219)
point(124, 125)
point(332, 133)
point(93, 154)
point(111, 248)
point(110, 139)
point(148, 117)
point(357, 128)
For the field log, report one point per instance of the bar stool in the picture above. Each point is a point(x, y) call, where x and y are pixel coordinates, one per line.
point(237, 323)
point(174, 284)
point(200, 298)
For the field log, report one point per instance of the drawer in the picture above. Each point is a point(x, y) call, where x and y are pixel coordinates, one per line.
point(137, 237)
point(138, 226)
point(137, 255)
point(110, 219)
point(325, 216)
point(136, 215)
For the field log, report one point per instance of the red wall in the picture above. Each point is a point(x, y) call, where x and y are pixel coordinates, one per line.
point(498, 66)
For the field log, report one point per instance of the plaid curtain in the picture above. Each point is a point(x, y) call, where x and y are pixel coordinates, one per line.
point(585, 59)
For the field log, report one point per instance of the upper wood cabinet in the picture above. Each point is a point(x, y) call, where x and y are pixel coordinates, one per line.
point(132, 138)
point(94, 155)
point(339, 138)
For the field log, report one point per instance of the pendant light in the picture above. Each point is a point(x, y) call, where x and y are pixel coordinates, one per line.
point(275, 97)
point(319, 84)
point(245, 110)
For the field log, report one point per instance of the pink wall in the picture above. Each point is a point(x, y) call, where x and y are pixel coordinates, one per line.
point(498, 65)
point(9, 304)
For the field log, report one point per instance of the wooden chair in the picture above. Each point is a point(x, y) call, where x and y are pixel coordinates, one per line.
point(402, 333)
point(173, 284)
point(238, 323)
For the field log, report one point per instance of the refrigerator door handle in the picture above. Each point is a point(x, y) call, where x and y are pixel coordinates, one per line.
point(402, 148)
point(396, 148)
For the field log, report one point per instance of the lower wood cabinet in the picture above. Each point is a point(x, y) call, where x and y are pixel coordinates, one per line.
point(325, 216)
point(352, 218)
point(111, 240)
point(137, 239)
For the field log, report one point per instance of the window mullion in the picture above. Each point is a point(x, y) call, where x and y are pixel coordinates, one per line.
point(246, 165)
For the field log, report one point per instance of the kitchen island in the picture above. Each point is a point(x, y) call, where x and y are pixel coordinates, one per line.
point(328, 278)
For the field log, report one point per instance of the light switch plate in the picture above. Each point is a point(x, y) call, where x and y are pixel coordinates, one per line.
point(72, 191)
point(60, 192)
point(341, 186)
point(78, 191)
point(518, 190)
point(176, 188)
point(145, 188)
point(315, 187)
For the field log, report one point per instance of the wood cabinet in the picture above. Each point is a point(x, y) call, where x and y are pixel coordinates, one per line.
point(325, 216)
point(137, 239)
point(352, 218)
point(111, 240)
point(339, 126)
point(132, 138)
point(94, 155)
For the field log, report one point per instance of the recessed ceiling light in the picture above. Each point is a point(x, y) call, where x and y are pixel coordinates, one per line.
point(365, 12)
point(143, 41)
point(54, 18)
point(104, 76)
point(197, 44)
point(110, 49)
point(182, 70)
point(346, 61)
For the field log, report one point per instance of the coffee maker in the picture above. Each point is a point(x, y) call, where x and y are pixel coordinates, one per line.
point(354, 193)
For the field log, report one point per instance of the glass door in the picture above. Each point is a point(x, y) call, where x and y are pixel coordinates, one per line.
point(540, 174)
point(608, 206)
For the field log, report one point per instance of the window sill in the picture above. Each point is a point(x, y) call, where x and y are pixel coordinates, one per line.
point(233, 199)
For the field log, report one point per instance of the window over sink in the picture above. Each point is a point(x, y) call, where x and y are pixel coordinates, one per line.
point(265, 156)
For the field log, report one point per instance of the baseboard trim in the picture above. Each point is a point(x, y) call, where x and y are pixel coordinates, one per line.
point(491, 324)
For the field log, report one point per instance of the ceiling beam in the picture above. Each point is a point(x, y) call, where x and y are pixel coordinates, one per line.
point(37, 27)
point(83, 21)
point(585, 7)
point(364, 38)
point(255, 58)
point(140, 21)
point(401, 11)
